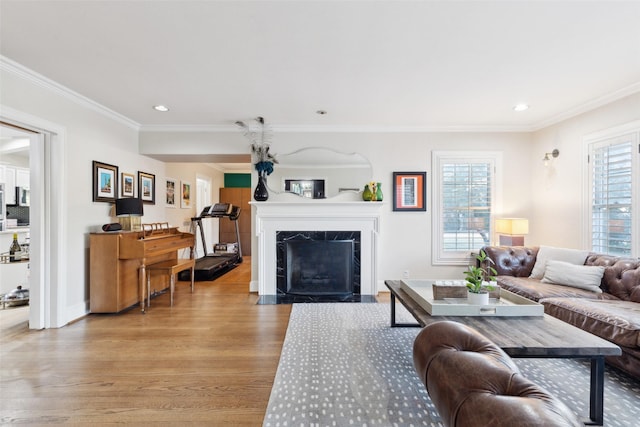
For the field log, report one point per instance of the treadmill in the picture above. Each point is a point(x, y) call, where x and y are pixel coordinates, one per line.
point(213, 265)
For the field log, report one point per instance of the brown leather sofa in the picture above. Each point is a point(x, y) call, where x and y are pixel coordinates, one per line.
point(472, 382)
point(613, 314)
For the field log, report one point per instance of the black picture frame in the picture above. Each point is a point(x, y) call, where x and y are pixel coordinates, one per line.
point(409, 191)
point(105, 182)
point(147, 187)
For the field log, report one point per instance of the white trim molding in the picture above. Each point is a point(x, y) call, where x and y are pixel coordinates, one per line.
point(317, 215)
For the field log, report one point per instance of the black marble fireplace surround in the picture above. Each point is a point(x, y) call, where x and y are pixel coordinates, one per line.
point(318, 266)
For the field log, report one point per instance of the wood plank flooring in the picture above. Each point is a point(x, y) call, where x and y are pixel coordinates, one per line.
point(209, 360)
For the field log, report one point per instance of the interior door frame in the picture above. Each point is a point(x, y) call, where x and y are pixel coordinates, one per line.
point(47, 289)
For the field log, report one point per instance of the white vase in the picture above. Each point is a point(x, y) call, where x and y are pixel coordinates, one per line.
point(477, 298)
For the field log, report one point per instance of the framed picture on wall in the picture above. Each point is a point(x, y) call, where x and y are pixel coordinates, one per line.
point(409, 191)
point(185, 195)
point(127, 185)
point(170, 193)
point(105, 182)
point(147, 187)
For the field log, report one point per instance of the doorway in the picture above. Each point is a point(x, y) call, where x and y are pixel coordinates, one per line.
point(15, 144)
point(203, 199)
point(47, 290)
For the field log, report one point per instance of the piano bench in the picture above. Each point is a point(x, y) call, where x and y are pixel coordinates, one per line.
point(172, 268)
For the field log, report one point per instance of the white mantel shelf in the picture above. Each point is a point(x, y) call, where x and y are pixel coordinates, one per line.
point(296, 214)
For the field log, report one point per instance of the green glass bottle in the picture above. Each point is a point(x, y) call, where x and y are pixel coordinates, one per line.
point(366, 194)
point(379, 192)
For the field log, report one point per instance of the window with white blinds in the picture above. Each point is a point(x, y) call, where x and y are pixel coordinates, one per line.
point(611, 166)
point(464, 200)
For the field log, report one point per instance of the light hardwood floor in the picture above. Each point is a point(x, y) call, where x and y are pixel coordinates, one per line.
point(208, 360)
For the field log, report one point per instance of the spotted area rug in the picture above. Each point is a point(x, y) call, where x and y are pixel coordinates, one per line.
point(342, 365)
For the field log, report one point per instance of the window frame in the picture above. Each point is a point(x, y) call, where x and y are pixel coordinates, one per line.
point(594, 141)
point(438, 159)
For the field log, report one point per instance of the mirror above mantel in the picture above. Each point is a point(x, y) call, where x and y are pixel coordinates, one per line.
point(319, 173)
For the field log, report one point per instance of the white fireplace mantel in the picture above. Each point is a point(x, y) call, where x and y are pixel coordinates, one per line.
point(317, 215)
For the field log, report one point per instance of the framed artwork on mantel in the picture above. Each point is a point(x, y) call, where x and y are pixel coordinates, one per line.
point(409, 191)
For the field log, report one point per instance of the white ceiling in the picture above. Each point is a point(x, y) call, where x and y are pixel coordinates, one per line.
point(416, 65)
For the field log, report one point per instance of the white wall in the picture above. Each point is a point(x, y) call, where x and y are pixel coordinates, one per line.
point(181, 217)
point(405, 236)
point(90, 135)
point(557, 192)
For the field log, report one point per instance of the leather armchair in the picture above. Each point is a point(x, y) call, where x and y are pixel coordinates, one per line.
point(472, 382)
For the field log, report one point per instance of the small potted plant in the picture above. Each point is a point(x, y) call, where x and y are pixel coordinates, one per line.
point(479, 280)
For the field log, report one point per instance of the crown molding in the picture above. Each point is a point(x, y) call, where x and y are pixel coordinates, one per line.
point(190, 128)
point(25, 73)
point(588, 106)
point(337, 129)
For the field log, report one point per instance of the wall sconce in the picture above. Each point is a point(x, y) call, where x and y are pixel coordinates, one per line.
point(555, 153)
point(130, 211)
point(512, 231)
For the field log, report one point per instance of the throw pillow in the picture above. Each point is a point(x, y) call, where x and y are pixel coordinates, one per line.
point(578, 276)
point(546, 253)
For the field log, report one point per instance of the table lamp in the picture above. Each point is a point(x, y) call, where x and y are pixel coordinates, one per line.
point(129, 211)
point(512, 231)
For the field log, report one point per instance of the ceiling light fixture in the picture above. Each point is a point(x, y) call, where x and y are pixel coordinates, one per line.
point(162, 108)
point(521, 107)
point(555, 153)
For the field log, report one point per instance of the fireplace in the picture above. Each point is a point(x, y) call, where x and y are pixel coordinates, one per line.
point(292, 214)
point(318, 263)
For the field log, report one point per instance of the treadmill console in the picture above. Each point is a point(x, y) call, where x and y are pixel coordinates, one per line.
point(217, 210)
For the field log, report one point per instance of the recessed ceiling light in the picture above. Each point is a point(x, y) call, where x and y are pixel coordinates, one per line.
point(162, 108)
point(321, 112)
point(521, 107)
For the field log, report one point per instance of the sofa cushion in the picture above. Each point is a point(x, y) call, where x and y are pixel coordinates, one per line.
point(546, 253)
point(535, 290)
point(621, 276)
point(515, 261)
point(614, 320)
point(586, 277)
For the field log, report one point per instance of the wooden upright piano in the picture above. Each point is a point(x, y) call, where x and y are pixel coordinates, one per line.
point(117, 273)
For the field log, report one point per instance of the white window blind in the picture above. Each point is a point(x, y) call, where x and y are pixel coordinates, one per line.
point(464, 200)
point(611, 164)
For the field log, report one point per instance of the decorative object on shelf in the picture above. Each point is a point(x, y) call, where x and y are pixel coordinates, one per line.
point(409, 191)
point(105, 182)
point(366, 193)
point(262, 159)
point(372, 192)
point(261, 193)
point(480, 279)
point(129, 211)
point(512, 231)
point(147, 187)
point(379, 192)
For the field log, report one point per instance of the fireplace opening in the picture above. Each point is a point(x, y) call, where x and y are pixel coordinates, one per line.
point(319, 267)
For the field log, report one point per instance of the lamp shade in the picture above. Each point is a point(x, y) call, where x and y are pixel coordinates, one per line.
point(129, 207)
point(512, 226)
